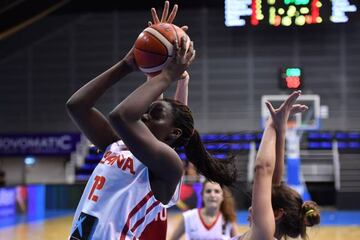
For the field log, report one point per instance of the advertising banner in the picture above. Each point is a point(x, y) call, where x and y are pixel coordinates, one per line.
point(38, 144)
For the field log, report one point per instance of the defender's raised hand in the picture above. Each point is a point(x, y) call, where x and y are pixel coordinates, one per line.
point(281, 115)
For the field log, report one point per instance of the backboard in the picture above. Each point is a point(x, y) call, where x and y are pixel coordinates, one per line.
point(309, 120)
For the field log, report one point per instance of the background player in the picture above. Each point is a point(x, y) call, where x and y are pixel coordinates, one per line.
point(277, 211)
point(215, 220)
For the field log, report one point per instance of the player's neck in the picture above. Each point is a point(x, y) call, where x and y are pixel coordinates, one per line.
point(210, 212)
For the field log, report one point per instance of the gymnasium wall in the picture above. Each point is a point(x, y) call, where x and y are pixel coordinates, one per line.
point(41, 66)
point(46, 170)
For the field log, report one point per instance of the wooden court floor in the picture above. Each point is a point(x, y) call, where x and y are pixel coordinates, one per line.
point(58, 229)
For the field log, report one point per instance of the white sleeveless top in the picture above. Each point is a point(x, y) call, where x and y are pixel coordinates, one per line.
point(197, 229)
point(239, 237)
point(117, 202)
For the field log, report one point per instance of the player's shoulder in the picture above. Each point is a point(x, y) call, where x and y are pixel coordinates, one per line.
point(191, 213)
point(118, 147)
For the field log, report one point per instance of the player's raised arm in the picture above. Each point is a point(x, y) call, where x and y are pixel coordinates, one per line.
point(81, 105)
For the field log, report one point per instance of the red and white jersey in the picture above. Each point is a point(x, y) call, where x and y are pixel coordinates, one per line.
point(197, 229)
point(117, 202)
point(240, 237)
point(157, 228)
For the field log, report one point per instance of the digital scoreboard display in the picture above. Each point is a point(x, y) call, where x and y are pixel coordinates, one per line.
point(289, 12)
point(291, 78)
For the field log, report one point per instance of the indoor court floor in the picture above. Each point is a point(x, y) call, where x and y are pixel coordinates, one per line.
point(336, 225)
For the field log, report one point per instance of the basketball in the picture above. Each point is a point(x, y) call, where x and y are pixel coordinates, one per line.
point(154, 47)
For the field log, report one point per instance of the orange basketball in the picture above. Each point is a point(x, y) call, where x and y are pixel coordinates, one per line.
point(154, 47)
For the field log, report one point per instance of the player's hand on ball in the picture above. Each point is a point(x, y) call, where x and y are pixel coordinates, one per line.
point(184, 53)
point(129, 59)
point(183, 58)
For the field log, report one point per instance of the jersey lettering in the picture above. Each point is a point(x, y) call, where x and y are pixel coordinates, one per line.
point(98, 184)
point(161, 215)
point(122, 162)
point(129, 164)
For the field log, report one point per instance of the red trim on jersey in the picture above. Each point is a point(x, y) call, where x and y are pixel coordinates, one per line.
point(140, 221)
point(132, 213)
point(208, 227)
point(157, 228)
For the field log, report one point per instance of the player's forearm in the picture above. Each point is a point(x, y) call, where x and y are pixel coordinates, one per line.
point(182, 91)
point(265, 159)
point(280, 156)
point(87, 95)
point(135, 105)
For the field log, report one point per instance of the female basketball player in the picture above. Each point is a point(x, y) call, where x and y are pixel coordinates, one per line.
point(215, 220)
point(277, 211)
point(158, 227)
point(139, 174)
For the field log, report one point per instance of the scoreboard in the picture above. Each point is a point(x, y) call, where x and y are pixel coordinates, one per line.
point(291, 78)
point(289, 12)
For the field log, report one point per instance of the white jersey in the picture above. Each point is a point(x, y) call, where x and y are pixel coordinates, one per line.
point(117, 202)
point(240, 237)
point(197, 229)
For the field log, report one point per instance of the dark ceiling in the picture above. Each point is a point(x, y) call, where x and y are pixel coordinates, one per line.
point(108, 5)
point(14, 13)
point(22, 21)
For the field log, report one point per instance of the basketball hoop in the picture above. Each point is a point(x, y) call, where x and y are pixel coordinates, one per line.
point(309, 120)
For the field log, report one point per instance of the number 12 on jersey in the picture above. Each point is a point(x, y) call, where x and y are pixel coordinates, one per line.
point(98, 184)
